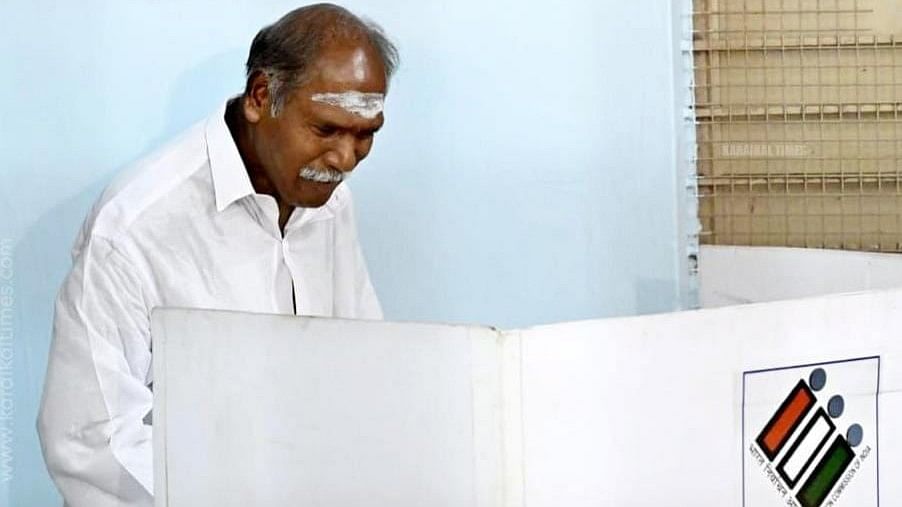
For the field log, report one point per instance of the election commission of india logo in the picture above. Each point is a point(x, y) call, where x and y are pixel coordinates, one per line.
point(810, 435)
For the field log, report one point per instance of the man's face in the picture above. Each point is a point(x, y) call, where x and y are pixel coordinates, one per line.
point(325, 128)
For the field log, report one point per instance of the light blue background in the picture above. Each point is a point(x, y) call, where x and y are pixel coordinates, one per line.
point(529, 171)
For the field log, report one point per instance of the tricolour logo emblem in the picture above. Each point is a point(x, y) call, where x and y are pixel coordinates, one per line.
point(810, 435)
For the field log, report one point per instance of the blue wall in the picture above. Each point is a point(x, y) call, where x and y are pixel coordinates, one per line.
point(528, 172)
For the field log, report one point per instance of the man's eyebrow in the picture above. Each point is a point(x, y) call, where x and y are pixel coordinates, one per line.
point(366, 131)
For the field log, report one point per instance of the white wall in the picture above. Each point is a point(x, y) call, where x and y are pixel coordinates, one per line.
point(526, 174)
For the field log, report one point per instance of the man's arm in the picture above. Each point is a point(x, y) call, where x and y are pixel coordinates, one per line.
point(97, 448)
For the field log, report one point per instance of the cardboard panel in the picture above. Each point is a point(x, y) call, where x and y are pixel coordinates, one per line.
point(284, 411)
point(735, 275)
point(787, 403)
point(670, 409)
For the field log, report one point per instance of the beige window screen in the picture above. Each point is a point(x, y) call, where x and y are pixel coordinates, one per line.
point(798, 109)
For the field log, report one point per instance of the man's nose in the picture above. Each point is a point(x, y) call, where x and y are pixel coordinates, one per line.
point(343, 155)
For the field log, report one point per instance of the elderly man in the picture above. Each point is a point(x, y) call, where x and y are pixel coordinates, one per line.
point(245, 211)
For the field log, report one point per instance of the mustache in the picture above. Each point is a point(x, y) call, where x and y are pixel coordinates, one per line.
point(322, 175)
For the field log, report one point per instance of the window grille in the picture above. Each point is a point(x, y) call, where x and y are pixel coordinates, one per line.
point(797, 107)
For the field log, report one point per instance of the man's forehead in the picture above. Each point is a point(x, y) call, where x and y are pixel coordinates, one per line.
point(348, 79)
point(367, 105)
point(348, 67)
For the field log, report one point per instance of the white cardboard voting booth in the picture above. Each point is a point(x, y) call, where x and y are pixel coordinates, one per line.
point(730, 275)
point(787, 403)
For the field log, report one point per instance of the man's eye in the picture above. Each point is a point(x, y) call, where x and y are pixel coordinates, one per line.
point(325, 130)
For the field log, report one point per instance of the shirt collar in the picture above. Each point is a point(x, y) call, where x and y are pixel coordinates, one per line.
point(230, 179)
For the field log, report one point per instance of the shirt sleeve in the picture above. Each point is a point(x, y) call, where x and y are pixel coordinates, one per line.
point(355, 297)
point(96, 394)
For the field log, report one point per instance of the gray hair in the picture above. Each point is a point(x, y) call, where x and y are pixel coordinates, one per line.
point(285, 49)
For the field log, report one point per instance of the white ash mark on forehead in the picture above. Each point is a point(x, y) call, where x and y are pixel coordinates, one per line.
point(367, 105)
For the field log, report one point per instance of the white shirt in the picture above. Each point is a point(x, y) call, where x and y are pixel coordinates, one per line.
point(184, 228)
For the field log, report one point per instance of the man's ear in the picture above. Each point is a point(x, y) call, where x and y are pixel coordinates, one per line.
point(257, 102)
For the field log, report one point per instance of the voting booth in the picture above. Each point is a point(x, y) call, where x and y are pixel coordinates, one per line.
point(784, 403)
point(731, 275)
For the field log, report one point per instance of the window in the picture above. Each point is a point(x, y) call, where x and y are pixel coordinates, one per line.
point(797, 104)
